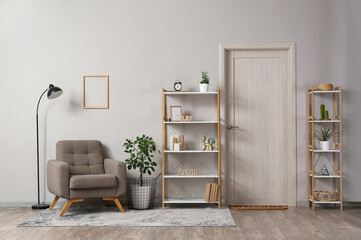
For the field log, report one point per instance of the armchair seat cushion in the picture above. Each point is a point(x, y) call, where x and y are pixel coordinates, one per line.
point(93, 181)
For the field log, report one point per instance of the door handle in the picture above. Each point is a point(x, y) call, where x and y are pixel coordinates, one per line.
point(229, 127)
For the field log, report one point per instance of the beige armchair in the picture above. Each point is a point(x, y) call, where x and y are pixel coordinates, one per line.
point(80, 172)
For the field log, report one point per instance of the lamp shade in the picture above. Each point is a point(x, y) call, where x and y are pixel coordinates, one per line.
point(54, 92)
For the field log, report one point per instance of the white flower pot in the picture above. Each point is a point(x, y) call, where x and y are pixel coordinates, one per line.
point(203, 87)
point(325, 145)
point(140, 196)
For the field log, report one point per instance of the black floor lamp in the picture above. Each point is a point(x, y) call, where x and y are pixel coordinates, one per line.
point(53, 92)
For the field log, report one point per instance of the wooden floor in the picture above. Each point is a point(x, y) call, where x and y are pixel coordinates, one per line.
point(294, 223)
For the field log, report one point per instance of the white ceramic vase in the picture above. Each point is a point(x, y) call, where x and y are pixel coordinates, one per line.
point(325, 145)
point(140, 196)
point(203, 87)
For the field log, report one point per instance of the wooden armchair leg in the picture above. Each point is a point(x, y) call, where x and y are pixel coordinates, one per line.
point(56, 198)
point(68, 203)
point(116, 200)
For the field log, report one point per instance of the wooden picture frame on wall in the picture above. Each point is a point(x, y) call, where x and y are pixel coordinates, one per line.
point(176, 113)
point(96, 92)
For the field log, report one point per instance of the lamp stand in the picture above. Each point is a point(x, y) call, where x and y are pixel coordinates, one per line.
point(38, 205)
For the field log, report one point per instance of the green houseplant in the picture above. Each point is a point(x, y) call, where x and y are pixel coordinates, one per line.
point(204, 84)
point(141, 151)
point(323, 135)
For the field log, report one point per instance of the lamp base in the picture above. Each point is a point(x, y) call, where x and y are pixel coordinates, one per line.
point(40, 206)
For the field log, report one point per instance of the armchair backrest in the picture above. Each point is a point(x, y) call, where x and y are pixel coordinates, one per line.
point(83, 156)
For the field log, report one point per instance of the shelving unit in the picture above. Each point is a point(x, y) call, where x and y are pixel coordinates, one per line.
point(336, 151)
point(165, 152)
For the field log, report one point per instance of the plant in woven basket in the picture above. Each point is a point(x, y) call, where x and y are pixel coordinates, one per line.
point(141, 152)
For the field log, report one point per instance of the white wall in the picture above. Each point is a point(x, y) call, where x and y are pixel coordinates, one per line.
point(144, 46)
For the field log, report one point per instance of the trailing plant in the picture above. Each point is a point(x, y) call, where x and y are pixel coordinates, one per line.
point(325, 133)
point(205, 78)
point(141, 152)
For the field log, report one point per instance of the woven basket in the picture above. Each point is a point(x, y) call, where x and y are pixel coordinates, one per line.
point(325, 87)
point(147, 181)
point(326, 196)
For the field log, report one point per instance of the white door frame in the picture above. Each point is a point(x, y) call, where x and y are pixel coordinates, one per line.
point(291, 62)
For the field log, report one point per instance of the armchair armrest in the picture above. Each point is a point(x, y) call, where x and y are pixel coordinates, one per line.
point(58, 178)
point(116, 168)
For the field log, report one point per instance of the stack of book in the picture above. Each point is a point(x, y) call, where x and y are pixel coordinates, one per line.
point(211, 192)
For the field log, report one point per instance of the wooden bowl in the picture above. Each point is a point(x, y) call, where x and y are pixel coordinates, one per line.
point(325, 87)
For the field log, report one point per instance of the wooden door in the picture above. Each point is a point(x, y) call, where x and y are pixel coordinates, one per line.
point(260, 128)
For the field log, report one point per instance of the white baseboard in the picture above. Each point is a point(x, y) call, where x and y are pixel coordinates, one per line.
point(345, 204)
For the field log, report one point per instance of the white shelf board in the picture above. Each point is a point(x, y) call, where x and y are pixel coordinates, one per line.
point(186, 201)
point(190, 93)
point(192, 122)
point(190, 176)
point(325, 121)
point(190, 151)
point(326, 202)
point(333, 91)
point(326, 176)
point(319, 150)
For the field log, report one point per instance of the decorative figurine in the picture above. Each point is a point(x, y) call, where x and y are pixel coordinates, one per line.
point(210, 143)
point(323, 171)
point(324, 113)
point(188, 172)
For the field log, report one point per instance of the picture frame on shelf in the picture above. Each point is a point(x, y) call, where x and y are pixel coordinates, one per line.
point(176, 113)
point(186, 117)
point(176, 146)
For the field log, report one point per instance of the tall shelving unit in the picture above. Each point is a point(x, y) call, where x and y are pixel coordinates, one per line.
point(336, 151)
point(166, 152)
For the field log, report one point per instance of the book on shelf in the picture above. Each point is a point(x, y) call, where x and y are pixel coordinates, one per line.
point(211, 192)
point(207, 191)
point(214, 192)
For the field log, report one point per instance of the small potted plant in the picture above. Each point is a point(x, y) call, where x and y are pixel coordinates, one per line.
point(204, 84)
point(141, 152)
point(324, 135)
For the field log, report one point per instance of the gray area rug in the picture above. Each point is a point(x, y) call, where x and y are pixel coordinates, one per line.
point(99, 215)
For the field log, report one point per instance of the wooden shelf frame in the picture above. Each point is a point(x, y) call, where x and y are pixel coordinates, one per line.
point(191, 151)
point(190, 176)
point(188, 201)
point(189, 93)
point(194, 122)
point(165, 152)
point(337, 162)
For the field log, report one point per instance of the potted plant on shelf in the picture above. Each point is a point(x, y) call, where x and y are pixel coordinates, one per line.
point(324, 135)
point(204, 84)
point(141, 152)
